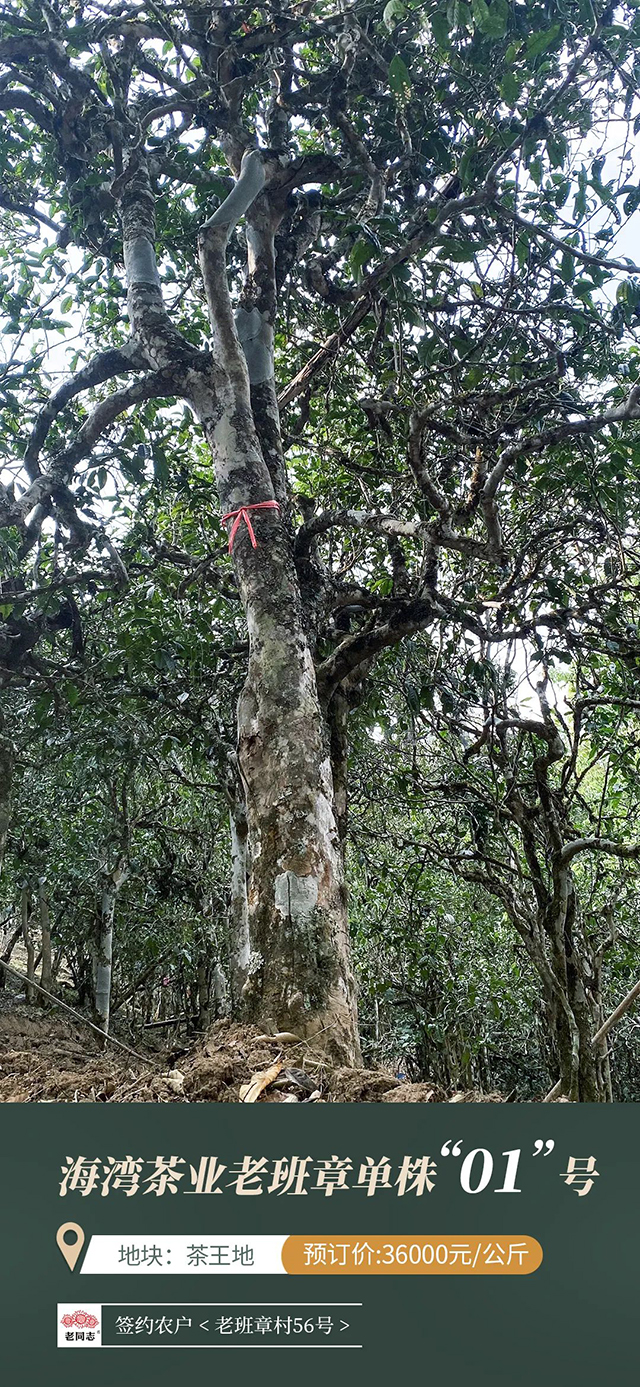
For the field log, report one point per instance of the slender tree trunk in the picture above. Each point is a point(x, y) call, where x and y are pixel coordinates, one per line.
point(239, 946)
point(339, 745)
point(57, 962)
point(7, 951)
point(220, 992)
point(45, 925)
point(7, 764)
point(104, 957)
point(25, 914)
point(113, 880)
point(203, 989)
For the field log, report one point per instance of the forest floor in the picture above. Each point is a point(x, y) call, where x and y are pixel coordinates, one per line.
point(46, 1056)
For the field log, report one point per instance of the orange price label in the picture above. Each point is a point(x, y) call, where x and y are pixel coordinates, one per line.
point(435, 1255)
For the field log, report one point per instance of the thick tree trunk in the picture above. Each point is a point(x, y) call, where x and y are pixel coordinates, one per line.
point(300, 972)
point(589, 1081)
point(301, 978)
point(584, 1067)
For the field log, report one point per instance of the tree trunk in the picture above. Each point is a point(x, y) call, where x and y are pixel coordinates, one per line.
point(239, 946)
point(220, 996)
point(7, 951)
point(7, 763)
point(300, 971)
point(571, 998)
point(584, 1068)
point(113, 880)
point(203, 990)
point(25, 904)
point(300, 974)
point(337, 715)
point(45, 925)
point(301, 977)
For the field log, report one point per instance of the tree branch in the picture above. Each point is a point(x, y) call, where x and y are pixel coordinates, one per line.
point(102, 367)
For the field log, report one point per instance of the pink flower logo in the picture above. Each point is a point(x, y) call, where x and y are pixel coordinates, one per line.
point(81, 1318)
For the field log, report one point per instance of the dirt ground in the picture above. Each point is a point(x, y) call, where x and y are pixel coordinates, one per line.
point(46, 1056)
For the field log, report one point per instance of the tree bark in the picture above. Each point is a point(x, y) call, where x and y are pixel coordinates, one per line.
point(300, 968)
point(239, 945)
point(574, 1020)
point(203, 989)
point(300, 975)
point(220, 993)
point(25, 911)
point(7, 763)
point(45, 926)
point(7, 951)
point(113, 880)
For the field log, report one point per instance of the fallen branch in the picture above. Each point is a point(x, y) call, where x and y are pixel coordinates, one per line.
point(171, 1021)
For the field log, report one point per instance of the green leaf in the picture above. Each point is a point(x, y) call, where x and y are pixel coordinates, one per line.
point(510, 88)
point(360, 255)
point(440, 28)
point(41, 708)
point(491, 20)
point(459, 15)
point(539, 43)
point(568, 267)
point(161, 468)
point(480, 12)
point(557, 149)
point(399, 79)
point(393, 13)
point(580, 201)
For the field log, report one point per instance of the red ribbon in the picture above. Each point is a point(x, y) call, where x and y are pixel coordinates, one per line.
point(243, 514)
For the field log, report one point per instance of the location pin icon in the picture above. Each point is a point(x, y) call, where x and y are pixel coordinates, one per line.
point(70, 1250)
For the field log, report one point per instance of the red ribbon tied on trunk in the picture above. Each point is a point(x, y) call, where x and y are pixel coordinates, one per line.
point(242, 513)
